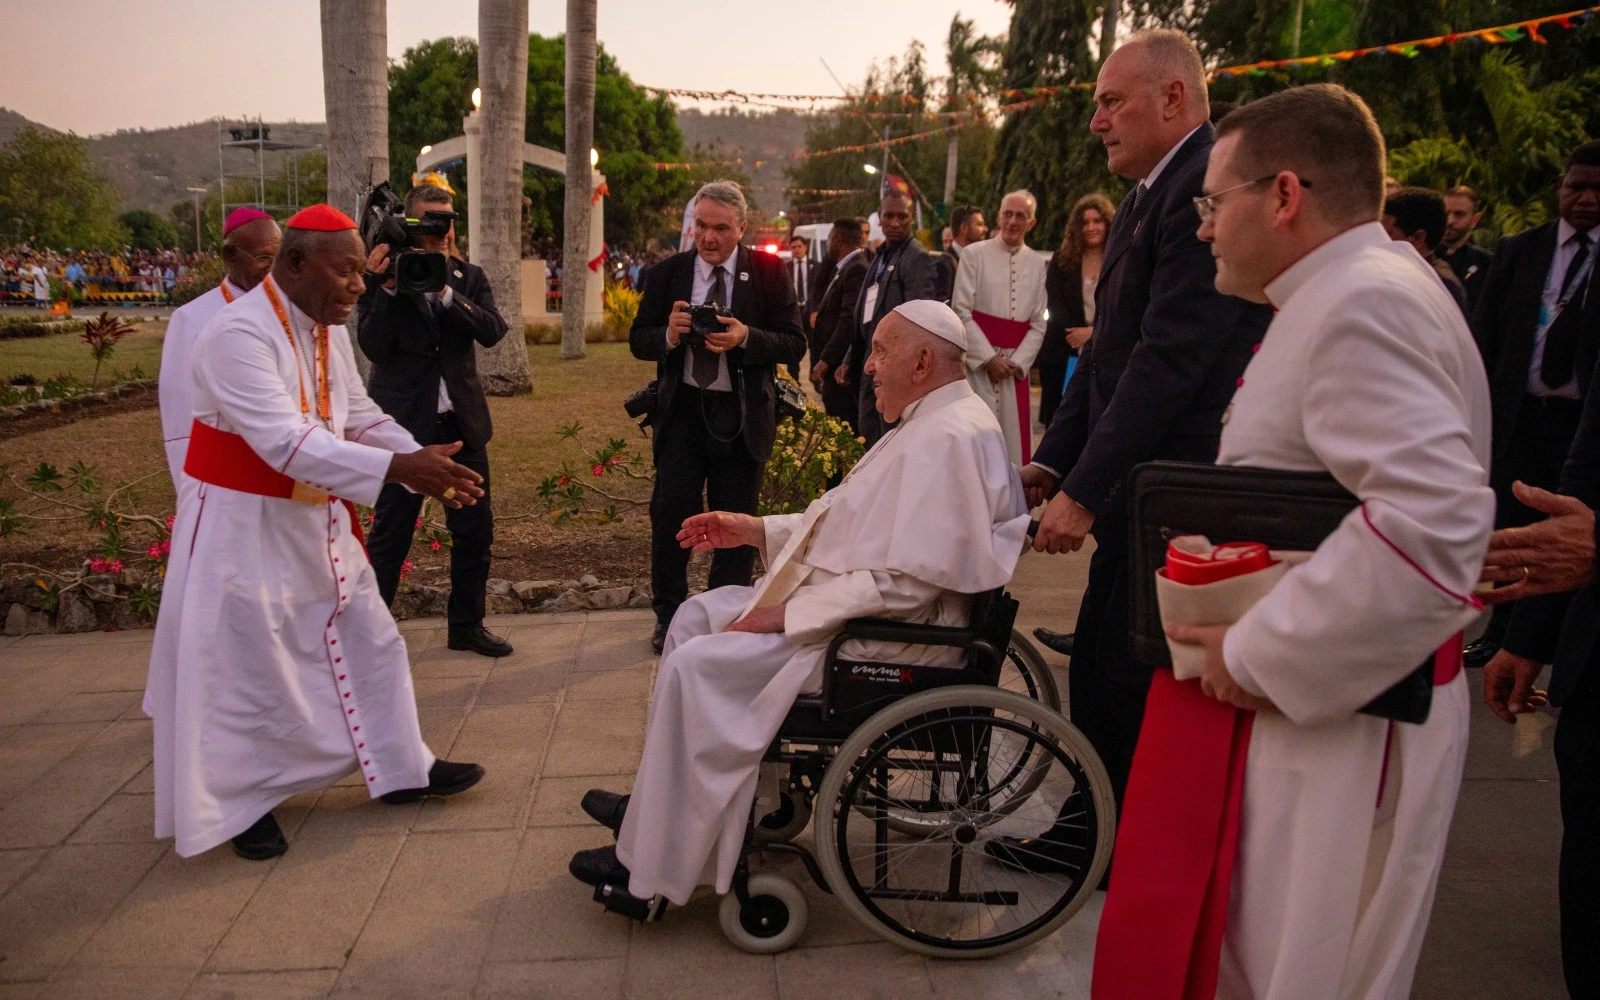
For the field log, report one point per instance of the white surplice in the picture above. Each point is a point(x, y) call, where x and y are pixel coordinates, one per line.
point(277, 669)
point(993, 278)
point(1367, 372)
point(931, 515)
point(176, 383)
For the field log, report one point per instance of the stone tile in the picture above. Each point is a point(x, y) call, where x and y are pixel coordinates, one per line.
point(44, 680)
point(143, 783)
point(92, 706)
point(509, 741)
point(148, 983)
point(610, 685)
point(596, 737)
point(1498, 750)
point(305, 984)
point(15, 864)
point(124, 819)
point(49, 809)
point(430, 659)
point(26, 752)
point(617, 646)
point(585, 979)
point(48, 916)
point(20, 991)
point(686, 956)
point(445, 693)
point(546, 913)
point(177, 914)
point(347, 811)
point(440, 726)
point(427, 950)
point(526, 677)
point(830, 924)
point(877, 971)
point(329, 886)
point(557, 803)
point(1045, 971)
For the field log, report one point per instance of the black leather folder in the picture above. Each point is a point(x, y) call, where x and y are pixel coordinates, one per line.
point(1284, 510)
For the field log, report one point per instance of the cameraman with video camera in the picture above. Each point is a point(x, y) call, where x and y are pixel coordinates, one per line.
point(421, 316)
point(717, 321)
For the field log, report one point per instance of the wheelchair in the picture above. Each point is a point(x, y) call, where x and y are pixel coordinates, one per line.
point(910, 771)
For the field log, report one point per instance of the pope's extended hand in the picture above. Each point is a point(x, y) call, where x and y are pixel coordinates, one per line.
point(767, 619)
point(1216, 682)
point(720, 529)
point(1064, 526)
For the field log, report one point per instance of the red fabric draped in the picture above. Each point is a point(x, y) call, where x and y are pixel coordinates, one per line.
point(1008, 334)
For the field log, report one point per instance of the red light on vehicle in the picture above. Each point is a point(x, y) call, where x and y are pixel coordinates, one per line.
point(772, 248)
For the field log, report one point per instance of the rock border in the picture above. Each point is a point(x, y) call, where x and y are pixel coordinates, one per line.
point(72, 404)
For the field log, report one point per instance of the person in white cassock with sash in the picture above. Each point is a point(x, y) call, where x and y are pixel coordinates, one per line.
point(932, 514)
point(1000, 297)
point(250, 239)
point(276, 668)
point(1368, 372)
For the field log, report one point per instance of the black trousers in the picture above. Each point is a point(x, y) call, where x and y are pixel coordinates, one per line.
point(1577, 751)
point(1106, 686)
point(471, 532)
point(696, 472)
point(1052, 380)
point(1538, 448)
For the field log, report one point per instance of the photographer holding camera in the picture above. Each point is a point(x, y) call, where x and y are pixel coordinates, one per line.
point(422, 313)
point(717, 321)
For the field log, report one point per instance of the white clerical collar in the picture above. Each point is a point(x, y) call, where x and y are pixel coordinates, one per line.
point(1282, 288)
point(1149, 180)
point(938, 399)
point(706, 266)
point(1009, 248)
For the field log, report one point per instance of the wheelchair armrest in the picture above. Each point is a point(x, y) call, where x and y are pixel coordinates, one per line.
point(884, 630)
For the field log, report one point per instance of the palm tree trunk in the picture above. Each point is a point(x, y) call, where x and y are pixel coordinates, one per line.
point(355, 90)
point(1108, 27)
point(950, 156)
point(503, 78)
point(576, 251)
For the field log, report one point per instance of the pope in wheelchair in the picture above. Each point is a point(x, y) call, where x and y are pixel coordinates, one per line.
point(930, 516)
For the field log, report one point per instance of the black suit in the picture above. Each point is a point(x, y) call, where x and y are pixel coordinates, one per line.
point(946, 265)
point(900, 274)
point(1152, 383)
point(843, 291)
point(1471, 265)
point(705, 441)
point(1562, 629)
point(1063, 289)
point(413, 343)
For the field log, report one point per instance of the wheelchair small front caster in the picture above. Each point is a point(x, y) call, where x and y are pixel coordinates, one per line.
point(784, 823)
point(770, 920)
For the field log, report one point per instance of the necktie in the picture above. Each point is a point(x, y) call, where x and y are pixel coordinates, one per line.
point(705, 362)
point(1561, 339)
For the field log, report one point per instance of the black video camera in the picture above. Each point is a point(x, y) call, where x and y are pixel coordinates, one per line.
point(704, 319)
point(383, 220)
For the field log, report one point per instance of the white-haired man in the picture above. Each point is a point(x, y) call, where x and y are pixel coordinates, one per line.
point(931, 515)
point(999, 295)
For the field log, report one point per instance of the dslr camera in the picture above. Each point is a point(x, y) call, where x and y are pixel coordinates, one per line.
point(383, 220)
point(704, 319)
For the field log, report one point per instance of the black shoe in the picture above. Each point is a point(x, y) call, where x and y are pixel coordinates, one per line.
point(1061, 642)
point(1480, 652)
point(599, 866)
point(444, 778)
point(605, 808)
point(262, 841)
point(479, 640)
point(659, 637)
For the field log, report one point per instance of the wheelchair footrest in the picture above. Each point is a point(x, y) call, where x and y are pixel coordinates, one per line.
point(617, 899)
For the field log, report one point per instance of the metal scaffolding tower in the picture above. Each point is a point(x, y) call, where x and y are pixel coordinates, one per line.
point(256, 138)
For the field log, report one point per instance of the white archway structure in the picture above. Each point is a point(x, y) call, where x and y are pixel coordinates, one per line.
point(465, 147)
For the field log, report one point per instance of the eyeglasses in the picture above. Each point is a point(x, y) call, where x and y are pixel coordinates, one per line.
point(1206, 205)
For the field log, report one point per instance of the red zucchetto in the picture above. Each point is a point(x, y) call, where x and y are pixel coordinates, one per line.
point(241, 216)
point(321, 219)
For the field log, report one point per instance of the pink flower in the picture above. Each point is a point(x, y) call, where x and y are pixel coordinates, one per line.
point(564, 480)
point(419, 524)
point(434, 545)
point(98, 564)
point(614, 459)
point(405, 569)
point(154, 551)
point(166, 546)
point(114, 565)
point(171, 518)
point(598, 470)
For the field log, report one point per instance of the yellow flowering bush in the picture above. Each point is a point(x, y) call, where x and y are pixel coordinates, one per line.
point(808, 454)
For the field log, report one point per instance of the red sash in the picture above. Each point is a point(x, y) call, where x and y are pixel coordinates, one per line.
point(1161, 930)
point(1008, 334)
point(227, 460)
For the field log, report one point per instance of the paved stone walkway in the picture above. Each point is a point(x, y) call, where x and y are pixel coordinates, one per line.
point(470, 897)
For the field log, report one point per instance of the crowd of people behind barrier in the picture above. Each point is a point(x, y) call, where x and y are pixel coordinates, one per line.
point(32, 276)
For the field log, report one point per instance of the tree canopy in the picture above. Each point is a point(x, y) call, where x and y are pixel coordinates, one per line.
point(53, 195)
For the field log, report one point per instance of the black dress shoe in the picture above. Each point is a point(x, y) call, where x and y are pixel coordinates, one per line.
point(262, 841)
point(1480, 653)
point(1061, 642)
point(605, 808)
point(479, 640)
point(599, 866)
point(444, 778)
point(658, 638)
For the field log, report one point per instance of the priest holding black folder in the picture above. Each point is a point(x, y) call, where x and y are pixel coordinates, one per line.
point(1311, 873)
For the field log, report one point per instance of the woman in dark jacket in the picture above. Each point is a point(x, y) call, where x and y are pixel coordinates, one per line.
point(1069, 287)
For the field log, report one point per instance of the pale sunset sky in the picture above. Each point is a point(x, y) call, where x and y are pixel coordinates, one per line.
point(93, 66)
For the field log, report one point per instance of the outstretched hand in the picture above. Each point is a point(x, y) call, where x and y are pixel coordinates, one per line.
point(720, 529)
point(430, 472)
point(1550, 557)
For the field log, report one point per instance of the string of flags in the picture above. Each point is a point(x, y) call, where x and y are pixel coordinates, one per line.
point(1017, 99)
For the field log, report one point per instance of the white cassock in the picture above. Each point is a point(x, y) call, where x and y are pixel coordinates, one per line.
point(277, 669)
point(931, 515)
point(1367, 372)
point(176, 383)
point(999, 296)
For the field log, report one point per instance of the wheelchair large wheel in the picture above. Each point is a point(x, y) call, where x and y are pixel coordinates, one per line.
point(938, 891)
point(1024, 671)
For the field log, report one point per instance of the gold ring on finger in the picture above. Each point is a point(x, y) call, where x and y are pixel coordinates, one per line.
point(449, 493)
point(1526, 572)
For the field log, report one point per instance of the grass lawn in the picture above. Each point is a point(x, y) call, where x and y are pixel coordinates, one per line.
point(67, 354)
point(526, 448)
